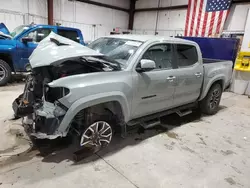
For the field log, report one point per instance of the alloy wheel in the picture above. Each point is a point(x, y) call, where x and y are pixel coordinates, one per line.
point(2, 72)
point(98, 134)
point(215, 98)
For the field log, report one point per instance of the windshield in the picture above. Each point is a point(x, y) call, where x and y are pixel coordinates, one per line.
point(19, 30)
point(117, 49)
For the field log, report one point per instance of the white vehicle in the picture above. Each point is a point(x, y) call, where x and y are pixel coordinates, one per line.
point(122, 81)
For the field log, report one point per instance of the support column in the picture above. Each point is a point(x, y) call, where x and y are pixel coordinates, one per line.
point(131, 14)
point(246, 39)
point(241, 78)
point(50, 12)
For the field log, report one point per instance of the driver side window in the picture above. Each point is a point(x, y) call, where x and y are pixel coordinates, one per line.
point(161, 54)
point(39, 34)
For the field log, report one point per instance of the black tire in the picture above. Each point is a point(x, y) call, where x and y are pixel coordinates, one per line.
point(210, 104)
point(5, 76)
point(97, 143)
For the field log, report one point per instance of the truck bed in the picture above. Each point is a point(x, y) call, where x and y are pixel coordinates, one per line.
point(206, 60)
point(216, 70)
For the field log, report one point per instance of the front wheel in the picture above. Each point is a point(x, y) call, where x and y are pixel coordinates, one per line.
point(5, 73)
point(210, 104)
point(96, 136)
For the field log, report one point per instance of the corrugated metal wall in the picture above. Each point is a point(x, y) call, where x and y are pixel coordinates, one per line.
point(18, 12)
point(173, 21)
point(97, 21)
point(94, 21)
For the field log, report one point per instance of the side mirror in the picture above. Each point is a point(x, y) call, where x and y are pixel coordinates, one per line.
point(27, 39)
point(146, 65)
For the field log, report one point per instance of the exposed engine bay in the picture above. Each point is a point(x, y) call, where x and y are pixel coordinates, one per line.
point(39, 104)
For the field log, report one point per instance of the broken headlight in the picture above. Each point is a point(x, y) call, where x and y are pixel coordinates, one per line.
point(60, 109)
point(53, 94)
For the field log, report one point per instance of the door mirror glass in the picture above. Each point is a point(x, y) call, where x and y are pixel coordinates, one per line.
point(27, 39)
point(146, 65)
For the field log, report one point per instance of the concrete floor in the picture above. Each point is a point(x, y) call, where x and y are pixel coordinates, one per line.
point(206, 151)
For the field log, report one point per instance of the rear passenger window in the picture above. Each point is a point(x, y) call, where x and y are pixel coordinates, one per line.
point(186, 55)
point(161, 54)
point(70, 34)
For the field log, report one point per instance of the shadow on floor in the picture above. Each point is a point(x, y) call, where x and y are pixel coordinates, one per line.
point(58, 150)
point(134, 137)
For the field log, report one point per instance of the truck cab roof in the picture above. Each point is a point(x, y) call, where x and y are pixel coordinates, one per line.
point(20, 29)
point(145, 38)
point(51, 26)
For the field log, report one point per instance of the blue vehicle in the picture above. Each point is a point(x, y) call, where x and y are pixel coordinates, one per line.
point(17, 46)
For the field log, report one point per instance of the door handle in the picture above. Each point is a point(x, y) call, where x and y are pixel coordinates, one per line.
point(198, 74)
point(171, 78)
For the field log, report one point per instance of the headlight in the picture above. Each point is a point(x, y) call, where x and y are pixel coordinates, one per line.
point(60, 110)
point(55, 93)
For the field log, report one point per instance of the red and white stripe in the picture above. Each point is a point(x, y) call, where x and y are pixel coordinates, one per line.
point(200, 23)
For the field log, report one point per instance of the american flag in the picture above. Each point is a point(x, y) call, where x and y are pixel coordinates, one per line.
point(206, 17)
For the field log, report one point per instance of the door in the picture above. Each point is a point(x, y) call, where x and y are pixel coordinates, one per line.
point(25, 49)
point(189, 74)
point(154, 90)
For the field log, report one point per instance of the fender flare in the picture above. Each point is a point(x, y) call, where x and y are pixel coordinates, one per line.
point(92, 100)
point(7, 54)
point(207, 86)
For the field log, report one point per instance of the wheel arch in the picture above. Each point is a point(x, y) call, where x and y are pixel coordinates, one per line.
point(219, 79)
point(8, 59)
point(112, 102)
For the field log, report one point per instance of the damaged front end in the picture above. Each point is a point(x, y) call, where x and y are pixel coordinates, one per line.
point(39, 106)
point(43, 104)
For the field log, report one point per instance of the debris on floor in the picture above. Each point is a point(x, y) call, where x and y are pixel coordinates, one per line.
point(212, 151)
point(13, 139)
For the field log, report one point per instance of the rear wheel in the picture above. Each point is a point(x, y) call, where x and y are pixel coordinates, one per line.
point(210, 104)
point(5, 73)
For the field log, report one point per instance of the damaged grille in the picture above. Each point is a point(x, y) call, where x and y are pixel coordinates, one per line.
point(47, 125)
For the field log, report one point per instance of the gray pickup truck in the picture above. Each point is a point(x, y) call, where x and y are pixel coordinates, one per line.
point(117, 81)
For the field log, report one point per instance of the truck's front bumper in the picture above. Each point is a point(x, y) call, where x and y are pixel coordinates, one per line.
point(21, 110)
point(45, 121)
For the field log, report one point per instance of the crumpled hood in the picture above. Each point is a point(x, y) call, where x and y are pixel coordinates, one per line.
point(4, 36)
point(4, 29)
point(4, 32)
point(55, 49)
